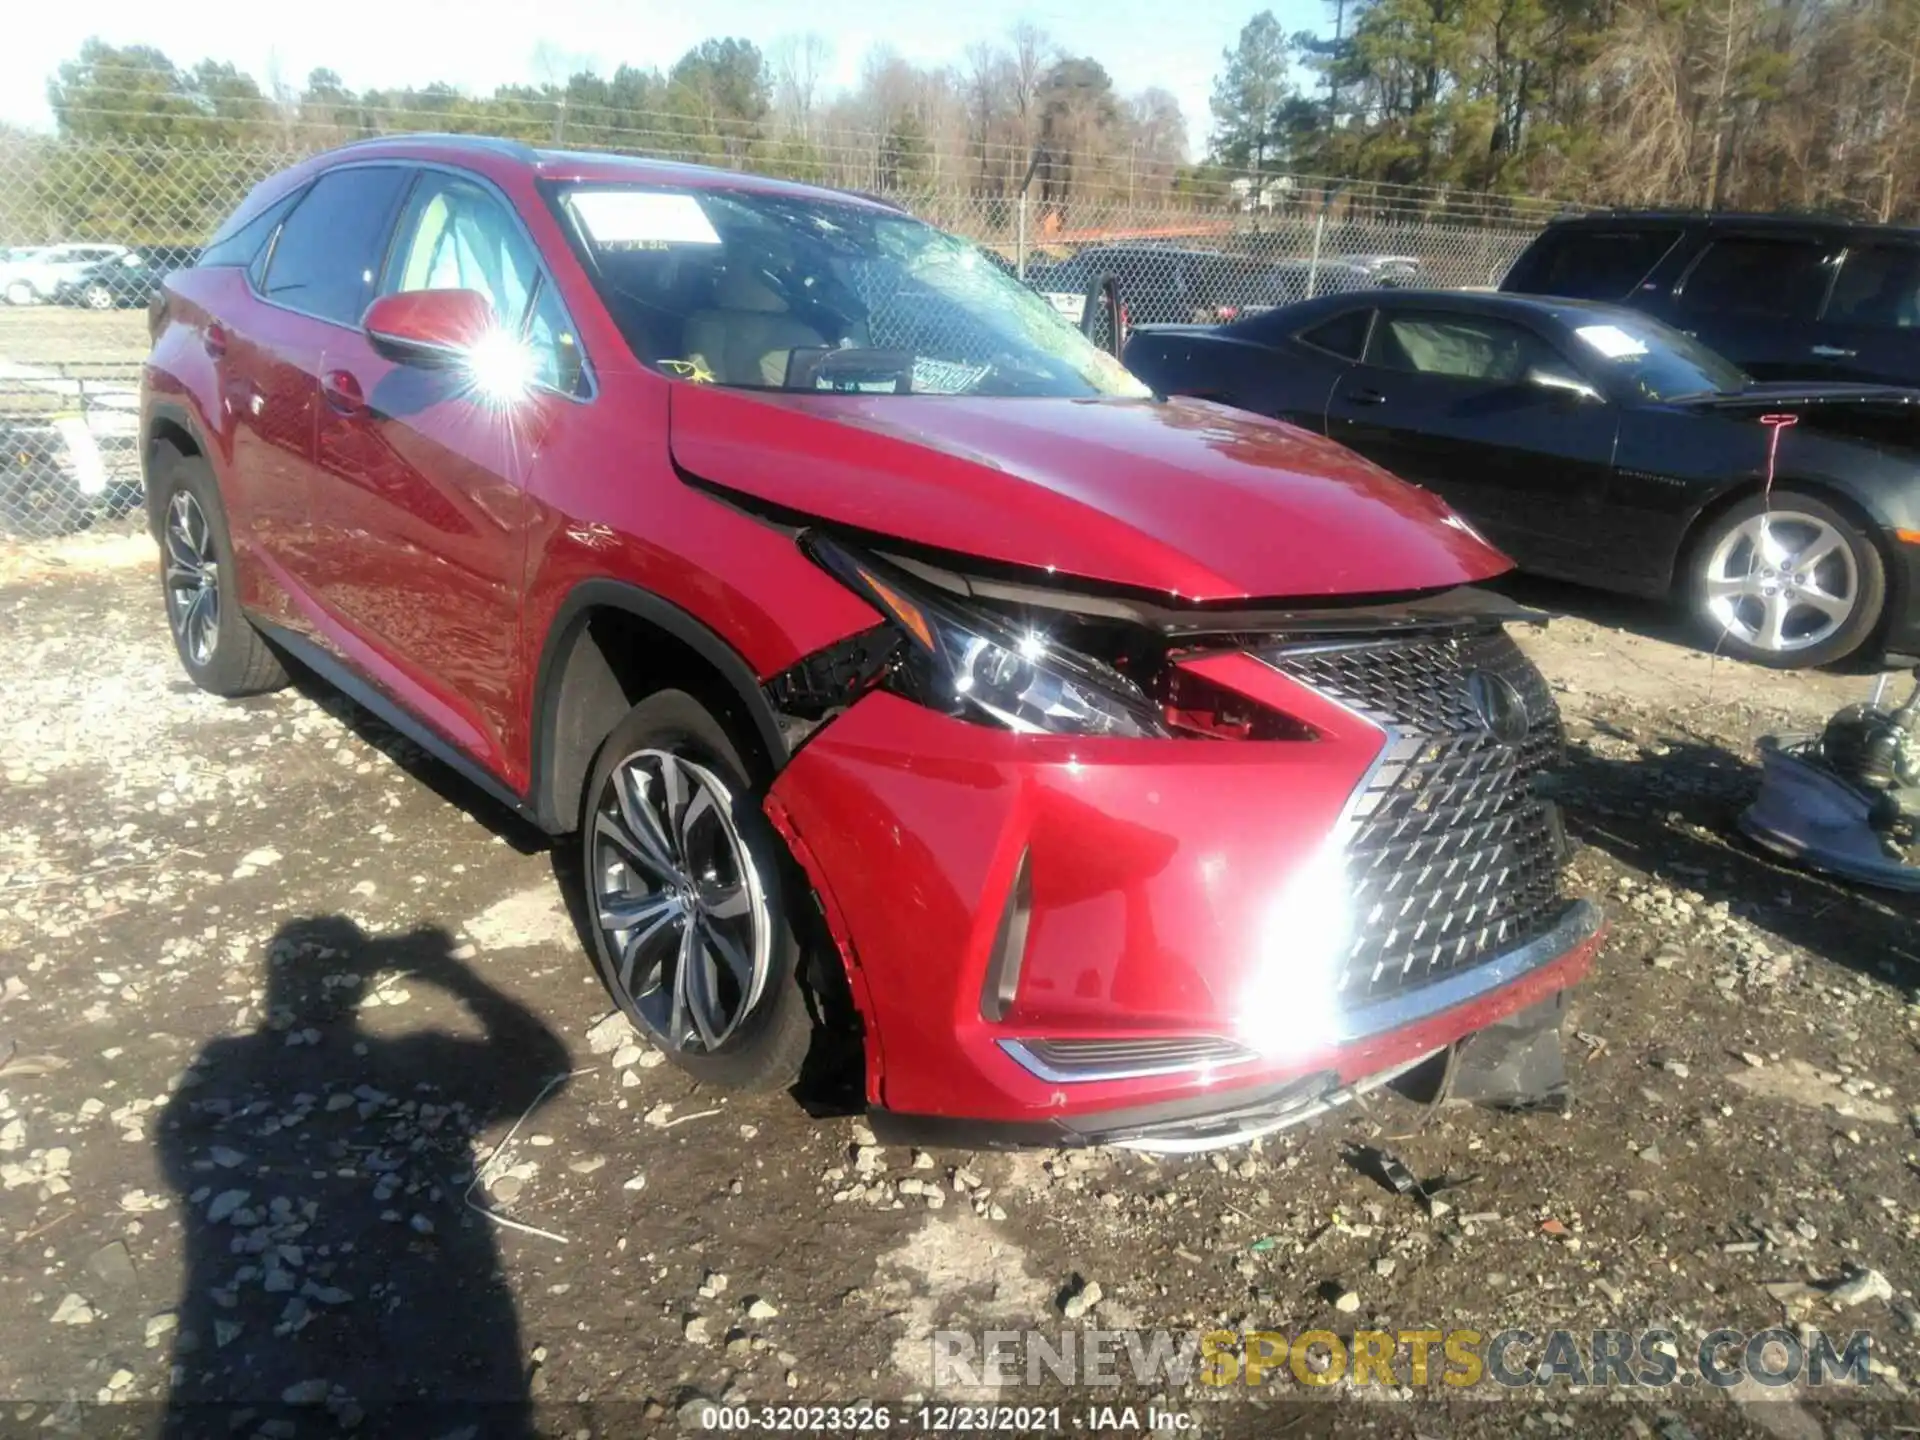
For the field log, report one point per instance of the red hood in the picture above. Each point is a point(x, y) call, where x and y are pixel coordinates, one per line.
point(1179, 496)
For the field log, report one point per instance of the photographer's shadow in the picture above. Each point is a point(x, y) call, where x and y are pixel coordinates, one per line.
point(334, 1276)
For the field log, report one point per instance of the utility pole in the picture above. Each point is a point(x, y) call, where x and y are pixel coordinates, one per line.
point(1333, 70)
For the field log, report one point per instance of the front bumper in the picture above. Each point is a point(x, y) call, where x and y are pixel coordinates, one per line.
point(1159, 899)
point(1901, 642)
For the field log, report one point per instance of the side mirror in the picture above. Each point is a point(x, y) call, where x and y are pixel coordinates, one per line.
point(1568, 387)
point(433, 329)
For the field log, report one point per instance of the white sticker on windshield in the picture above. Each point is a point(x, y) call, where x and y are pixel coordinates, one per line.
point(642, 219)
point(1611, 341)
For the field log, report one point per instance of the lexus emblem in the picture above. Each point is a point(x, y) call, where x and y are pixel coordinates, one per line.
point(1499, 707)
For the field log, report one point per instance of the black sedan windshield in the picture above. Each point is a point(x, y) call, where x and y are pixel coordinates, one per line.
point(1658, 362)
point(780, 291)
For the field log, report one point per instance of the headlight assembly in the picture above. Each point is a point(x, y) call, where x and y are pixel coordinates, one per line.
point(986, 668)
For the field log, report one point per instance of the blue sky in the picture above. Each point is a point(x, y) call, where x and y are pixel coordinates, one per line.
point(479, 45)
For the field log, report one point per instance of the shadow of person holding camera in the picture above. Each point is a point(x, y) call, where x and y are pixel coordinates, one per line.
point(335, 1278)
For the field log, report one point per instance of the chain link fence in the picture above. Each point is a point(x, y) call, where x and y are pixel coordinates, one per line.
point(89, 229)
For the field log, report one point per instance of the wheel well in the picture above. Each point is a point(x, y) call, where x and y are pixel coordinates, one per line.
point(170, 432)
point(1720, 504)
point(605, 661)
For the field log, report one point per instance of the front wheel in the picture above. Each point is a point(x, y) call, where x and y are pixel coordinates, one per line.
point(1787, 581)
point(21, 293)
point(684, 884)
point(98, 297)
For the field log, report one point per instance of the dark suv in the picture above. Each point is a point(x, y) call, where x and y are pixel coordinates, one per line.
point(1783, 297)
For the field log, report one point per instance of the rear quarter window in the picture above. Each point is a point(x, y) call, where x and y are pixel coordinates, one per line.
point(1591, 264)
point(1344, 336)
point(239, 245)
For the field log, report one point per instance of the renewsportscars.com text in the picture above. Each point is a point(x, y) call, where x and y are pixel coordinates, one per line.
point(1458, 1359)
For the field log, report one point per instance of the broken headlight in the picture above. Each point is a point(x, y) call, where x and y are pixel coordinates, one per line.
point(986, 667)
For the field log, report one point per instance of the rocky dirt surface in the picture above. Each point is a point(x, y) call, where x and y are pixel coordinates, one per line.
point(308, 1102)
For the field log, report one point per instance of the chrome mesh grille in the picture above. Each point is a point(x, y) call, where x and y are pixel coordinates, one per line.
point(1451, 859)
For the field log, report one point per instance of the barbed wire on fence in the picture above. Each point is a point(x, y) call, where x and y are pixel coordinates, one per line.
point(67, 426)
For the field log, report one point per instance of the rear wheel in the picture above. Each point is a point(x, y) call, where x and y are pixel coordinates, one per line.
point(684, 880)
point(218, 645)
point(1787, 581)
point(20, 293)
point(98, 297)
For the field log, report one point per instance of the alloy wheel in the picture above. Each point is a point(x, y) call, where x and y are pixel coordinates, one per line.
point(20, 293)
point(192, 578)
point(98, 297)
point(682, 911)
point(1782, 581)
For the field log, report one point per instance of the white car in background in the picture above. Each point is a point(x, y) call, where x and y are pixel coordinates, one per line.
point(30, 276)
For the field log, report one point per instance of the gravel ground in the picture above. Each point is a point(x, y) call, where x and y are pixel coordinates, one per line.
point(63, 334)
point(279, 1001)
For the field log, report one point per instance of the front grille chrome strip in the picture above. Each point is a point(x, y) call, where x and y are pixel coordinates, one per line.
point(1064, 1061)
point(1578, 923)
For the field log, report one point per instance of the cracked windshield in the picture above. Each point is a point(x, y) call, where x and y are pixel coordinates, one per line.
point(768, 291)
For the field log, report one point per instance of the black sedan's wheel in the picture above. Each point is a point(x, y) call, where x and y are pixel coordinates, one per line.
point(1788, 582)
point(218, 645)
point(683, 876)
point(97, 297)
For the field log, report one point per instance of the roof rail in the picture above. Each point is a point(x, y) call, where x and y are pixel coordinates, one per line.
point(1682, 212)
point(493, 144)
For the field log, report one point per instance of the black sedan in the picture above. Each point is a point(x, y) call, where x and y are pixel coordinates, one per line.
point(1598, 445)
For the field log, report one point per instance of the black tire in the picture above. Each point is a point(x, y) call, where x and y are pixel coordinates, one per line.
point(770, 1040)
point(1862, 565)
point(239, 661)
point(98, 297)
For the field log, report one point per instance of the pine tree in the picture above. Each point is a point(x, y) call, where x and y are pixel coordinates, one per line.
point(1248, 95)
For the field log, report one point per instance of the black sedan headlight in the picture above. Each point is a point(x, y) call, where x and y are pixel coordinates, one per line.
point(985, 667)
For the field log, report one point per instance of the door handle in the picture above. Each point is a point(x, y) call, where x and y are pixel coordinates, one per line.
point(343, 392)
point(1834, 352)
point(1365, 397)
point(213, 340)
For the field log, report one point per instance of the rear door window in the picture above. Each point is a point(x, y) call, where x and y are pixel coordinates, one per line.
point(1592, 264)
point(1757, 276)
point(328, 255)
point(1878, 287)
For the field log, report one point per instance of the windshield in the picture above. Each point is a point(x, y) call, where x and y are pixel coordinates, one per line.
point(774, 291)
point(1658, 362)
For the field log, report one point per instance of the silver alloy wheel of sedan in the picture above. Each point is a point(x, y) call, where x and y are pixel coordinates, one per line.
point(98, 297)
point(192, 578)
point(1782, 581)
point(676, 897)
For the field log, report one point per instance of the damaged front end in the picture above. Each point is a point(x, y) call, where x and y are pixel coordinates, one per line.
point(1179, 874)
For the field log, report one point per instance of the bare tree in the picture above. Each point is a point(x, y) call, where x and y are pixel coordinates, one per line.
point(800, 64)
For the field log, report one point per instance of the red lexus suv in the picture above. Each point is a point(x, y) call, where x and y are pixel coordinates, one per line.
point(1118, 768)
